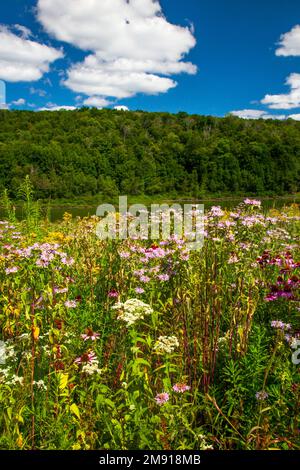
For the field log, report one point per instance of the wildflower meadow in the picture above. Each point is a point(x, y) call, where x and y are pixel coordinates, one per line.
point(144, 344)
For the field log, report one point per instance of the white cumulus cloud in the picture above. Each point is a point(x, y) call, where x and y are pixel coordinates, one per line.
point(130, 45)
point(91, 78)
point(19, 102)
point(22, 59)
point(286, 100)
point(96, 102)
point(121, 108)
point(54, 107)
point(290, 43)
point(256, 114)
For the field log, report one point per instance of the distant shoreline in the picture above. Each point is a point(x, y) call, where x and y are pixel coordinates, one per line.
point(145, 199)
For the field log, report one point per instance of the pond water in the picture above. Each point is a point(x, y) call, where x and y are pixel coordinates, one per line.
point(57, 212)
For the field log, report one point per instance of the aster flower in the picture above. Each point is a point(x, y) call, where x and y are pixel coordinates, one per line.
point(162, 398)
point(181, 388)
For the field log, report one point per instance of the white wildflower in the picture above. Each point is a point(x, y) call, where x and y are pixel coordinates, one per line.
point(132, 310)
point(40, 384)
point(166, 344)
point(5, 372)
point(16, 380)
point(91, 368)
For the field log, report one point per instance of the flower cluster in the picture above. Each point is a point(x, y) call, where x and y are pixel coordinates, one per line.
point(164, 397)
point(277, 324)
point(91, 368)
point(252, 202)
point(166, 344)
point(132, 310)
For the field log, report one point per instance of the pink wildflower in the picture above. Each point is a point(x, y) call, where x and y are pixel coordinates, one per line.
point(70, 303)
point(90, 334)
point(181, 388)
point(12, 270)
point(86, 358)
point(162, 398)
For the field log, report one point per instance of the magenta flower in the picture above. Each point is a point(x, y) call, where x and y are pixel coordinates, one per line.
point(162, 398)
point(90, 334)
point(86, 358)
point(181, 388)
point(12, 270)
point(113, 294)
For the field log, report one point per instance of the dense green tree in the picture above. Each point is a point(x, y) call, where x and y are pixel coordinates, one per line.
point(88, 152)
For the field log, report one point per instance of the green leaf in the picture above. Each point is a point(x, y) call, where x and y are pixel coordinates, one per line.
point(74, 409)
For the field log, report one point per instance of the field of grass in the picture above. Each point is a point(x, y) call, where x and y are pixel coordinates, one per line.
point(142, 344)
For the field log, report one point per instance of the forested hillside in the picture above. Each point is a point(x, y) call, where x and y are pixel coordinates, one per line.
point(86, 152)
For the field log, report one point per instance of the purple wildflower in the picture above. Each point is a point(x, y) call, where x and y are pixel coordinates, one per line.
point(163, 277)
point(252, 202)
point(12, 270)
point(139, 290)
point(181, 388)
point(162, 398)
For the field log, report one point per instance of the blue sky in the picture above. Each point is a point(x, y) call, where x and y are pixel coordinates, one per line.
point(71, 56)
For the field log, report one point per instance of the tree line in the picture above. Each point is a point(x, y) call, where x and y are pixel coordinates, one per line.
point(88, 152)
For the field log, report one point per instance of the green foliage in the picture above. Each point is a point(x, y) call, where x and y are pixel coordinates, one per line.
point(10, 211)
point(31, 208)
point(91, 152)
